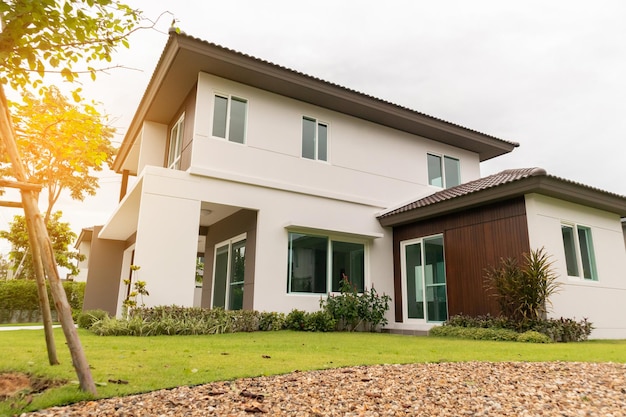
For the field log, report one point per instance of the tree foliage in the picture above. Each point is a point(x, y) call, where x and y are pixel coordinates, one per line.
point(50, 35)
point(61, 144)
point(61, 236)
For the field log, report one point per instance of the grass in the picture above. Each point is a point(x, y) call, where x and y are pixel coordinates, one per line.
point(150, 363)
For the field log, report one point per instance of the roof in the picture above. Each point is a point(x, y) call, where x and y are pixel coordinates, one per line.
point(503, 186)
point(86, 234)
point(185, 56)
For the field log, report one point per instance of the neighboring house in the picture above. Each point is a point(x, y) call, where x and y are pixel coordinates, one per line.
point(275, 180)
point(83, 245)
point(474, 225)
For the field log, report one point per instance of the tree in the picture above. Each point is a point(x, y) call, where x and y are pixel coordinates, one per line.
point(61, 237)
point(54, 35)
point(61, 145)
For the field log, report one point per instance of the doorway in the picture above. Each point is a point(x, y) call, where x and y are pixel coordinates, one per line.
point(228, 273)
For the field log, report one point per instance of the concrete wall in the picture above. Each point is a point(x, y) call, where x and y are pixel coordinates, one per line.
point(603, 301)
point(366, 161)
point(105, 263)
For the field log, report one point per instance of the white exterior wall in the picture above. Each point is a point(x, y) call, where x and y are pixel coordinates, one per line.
point(83, 266)
point(367, 162)
point(166, 244)
point(168, 229)
point(603, 302)
point(370, 168)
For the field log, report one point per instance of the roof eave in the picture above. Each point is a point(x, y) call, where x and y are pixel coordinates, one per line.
point(544, 185)
point(185, 55)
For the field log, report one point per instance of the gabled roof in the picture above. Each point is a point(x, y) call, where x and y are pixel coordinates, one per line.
point(503, 186)
point(185, 56)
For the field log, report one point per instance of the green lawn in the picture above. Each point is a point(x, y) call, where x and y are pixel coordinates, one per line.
point(150, 363)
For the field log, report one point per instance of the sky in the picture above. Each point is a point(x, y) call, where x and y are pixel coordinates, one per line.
point(550, 75)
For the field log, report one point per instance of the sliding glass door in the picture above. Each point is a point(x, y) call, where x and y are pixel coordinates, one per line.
point(424, 279)
point(228, 274)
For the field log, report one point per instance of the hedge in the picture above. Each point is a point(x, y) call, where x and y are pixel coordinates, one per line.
point(19, 301)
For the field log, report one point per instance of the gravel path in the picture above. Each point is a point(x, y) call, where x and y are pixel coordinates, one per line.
point(434, 389)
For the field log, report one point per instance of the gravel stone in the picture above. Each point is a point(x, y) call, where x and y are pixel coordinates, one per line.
point(432, 389)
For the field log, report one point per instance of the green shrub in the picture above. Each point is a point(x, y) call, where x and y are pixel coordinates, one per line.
point(483, 321)
point(532, 336)
point(557, 330)
point(20, 295)
point(86, 319)
point(271, 321)
point(319, 321)
point(349, 309)
point(563, 330)
point(296, 320)
point(243, 320)
point(475, 333)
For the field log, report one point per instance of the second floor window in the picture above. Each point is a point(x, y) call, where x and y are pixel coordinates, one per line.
point(176, 144)
point(229, 118)
point(443, 171)
point(314, 139)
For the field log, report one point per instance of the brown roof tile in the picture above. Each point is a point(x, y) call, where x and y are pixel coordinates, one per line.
point(503, 177)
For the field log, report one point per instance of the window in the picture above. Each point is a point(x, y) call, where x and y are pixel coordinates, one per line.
point(424, 279)
point(314, 139)
point(443, 171)
point(319, 263)
point(229, 118)
point(176, 143)
point(577, 241)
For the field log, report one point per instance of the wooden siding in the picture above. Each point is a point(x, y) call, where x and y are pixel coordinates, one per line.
point(473, 240)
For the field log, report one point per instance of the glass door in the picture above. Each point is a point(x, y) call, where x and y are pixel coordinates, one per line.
point(228, 274)
point(424, 279)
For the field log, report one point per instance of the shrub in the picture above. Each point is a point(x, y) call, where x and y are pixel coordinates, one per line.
point(319, 321)
point(86, 319)
point(475, 333)
point(523, 292)
point(563, 329)
point(532, 336)
point(482, 321)
point(349, 309)
point(296, 320)
point(557, 330)
point(20, 295)
point(271, 321)
point(243, 320)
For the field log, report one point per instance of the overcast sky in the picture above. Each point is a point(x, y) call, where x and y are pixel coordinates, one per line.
point(550, 75)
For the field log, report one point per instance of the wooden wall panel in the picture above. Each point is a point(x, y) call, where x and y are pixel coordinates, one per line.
point(473, 240)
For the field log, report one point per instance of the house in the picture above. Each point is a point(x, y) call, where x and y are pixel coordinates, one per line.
point(474, 225)
point(276, 181)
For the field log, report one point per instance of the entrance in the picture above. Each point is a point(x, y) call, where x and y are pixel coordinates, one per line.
point(228, 273)
point(424, 279)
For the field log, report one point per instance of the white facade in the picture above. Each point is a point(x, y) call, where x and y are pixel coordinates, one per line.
point(260, 187)
point(601, 301)
point(340, 197)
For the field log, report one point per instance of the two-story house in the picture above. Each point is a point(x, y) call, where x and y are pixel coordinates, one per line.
point(281, 183)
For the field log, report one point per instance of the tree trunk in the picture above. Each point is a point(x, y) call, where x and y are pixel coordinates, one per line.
point(44, 303)
point(32, 214)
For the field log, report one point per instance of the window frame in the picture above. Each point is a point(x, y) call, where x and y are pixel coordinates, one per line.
point(177, 148)
point(228, 119)
point(228, 284)
point(586, 266)
point(330, 239)
point(443, 169)
point(316, 139)
point(423, 285)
